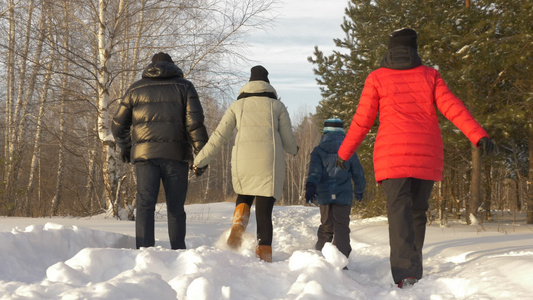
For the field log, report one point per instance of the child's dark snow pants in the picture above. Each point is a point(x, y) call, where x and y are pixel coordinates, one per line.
point(335, 227)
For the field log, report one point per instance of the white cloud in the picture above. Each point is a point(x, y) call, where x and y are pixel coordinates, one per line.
point(284, 48)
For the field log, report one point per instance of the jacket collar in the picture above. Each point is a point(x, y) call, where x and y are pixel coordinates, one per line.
point(162, 69)
point(258, 87)
point(401, 58)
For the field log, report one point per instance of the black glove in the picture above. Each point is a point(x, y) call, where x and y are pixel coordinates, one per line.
point(358, 197)
point(489, 147)
point(198, 171)
point(339, 163)
point(125, 155)
point(310, 192)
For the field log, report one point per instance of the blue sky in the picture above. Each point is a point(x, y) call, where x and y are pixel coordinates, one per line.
point(284, 47)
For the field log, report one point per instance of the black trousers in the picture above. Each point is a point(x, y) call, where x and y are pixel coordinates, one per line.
point(335, 227)
point(263, 216)
point(407, 204)
point(174, 175)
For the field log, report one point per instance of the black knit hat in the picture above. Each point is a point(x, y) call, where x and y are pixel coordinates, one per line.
point(161, 57)
point(403, 37)
point(259, 73)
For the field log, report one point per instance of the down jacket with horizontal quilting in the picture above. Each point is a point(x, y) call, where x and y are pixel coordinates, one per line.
point(409, 140)
point(160, 116)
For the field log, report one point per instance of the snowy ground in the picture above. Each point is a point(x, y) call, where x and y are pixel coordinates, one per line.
point(65, 258)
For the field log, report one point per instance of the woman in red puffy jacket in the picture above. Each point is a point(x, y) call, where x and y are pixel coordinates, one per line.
point(408, 152)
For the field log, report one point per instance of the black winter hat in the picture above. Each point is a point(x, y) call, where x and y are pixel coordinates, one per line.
point(403, 37)
point(259, 73)
point(161, 57)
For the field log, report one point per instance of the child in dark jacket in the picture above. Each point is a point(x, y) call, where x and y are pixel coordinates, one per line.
point(332, 188)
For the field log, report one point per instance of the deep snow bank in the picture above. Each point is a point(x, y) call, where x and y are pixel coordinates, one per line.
point(27, 253)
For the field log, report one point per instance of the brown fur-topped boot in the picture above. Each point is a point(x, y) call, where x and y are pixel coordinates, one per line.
point(241, 215)
point(264, 252)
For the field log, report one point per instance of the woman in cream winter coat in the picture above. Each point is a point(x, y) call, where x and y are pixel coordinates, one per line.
point(264, 134)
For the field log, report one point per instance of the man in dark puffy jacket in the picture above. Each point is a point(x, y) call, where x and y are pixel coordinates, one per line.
point(159, 123)
point(333, 188)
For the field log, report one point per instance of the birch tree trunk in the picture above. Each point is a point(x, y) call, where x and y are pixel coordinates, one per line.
point(90, 184)
point(91, 172)
point(56, 200)
point(10, 90)
point(105, 48)
point(37, 142)
point(30, 91)
point(18, 99)
point(20, 107)
point(137, 45)
point(30, 88)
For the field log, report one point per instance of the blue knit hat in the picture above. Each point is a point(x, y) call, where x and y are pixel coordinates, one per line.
point(333, 125)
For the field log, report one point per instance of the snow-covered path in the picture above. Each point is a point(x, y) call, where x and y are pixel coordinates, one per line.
point(66, 258)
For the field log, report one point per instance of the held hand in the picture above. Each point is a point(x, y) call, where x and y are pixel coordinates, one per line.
point(489, 147)
point(198, 171)
point(340, 163)
point(125, 155)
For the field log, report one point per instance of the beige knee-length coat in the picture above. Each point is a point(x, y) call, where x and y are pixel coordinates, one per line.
point(264, 134)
